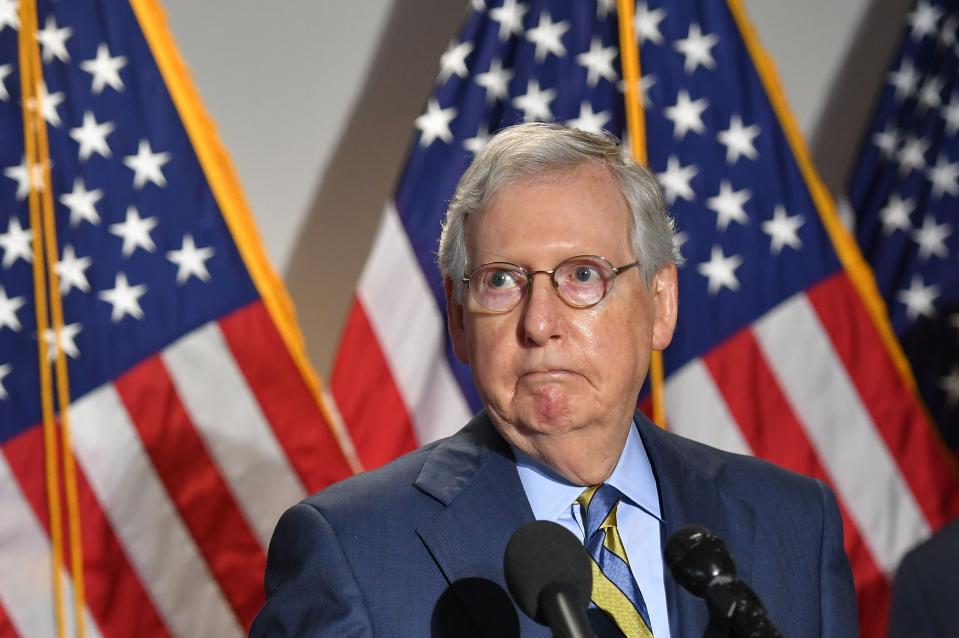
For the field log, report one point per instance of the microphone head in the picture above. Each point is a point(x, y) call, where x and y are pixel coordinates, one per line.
point(697, 558)
point(542, 555)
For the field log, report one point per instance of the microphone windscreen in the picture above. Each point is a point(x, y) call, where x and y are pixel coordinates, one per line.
point(697, 557)
point(544, 553)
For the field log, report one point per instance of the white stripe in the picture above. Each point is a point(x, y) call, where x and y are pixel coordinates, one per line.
point(227, 417)
point(26, 589)
point(696, 409)
point(411, 331)
point(144, 519)
point(841, 430)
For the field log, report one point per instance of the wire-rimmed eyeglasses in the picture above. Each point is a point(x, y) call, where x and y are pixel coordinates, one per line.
point(580, 281)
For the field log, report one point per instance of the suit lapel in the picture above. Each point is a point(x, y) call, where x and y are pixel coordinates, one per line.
point(690, 491)
point(473, 474)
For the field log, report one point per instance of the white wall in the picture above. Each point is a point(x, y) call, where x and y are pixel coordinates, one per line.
point(315, 100)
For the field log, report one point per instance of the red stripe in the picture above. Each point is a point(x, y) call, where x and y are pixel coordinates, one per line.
point(282, 393)
point(367, 395)
point(6, 626)
point(195, 486)
point(115, 596)
point(756, 402)
point(925, 462)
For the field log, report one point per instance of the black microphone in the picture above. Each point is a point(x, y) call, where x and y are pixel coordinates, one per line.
point(549, 576)
point(701, 562)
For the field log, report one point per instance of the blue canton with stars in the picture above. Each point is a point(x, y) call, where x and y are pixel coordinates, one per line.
point(905, 194)
point(145, 255)
point(749, 232)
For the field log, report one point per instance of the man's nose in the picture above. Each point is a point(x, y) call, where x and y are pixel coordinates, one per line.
point(541, 315)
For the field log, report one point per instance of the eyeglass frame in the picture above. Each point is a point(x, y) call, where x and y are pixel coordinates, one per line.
point(552, 277)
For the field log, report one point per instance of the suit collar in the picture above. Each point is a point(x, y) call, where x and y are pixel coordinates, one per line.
point(473, 474)
point(690, 477)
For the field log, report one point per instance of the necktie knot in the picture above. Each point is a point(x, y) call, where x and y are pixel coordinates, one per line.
point(598, 506)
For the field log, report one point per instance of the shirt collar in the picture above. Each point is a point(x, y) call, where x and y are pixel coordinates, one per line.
point(550, 495)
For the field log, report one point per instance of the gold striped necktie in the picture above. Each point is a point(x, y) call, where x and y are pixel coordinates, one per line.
point(615, 592)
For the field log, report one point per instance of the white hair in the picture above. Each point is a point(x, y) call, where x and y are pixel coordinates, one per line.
point(526, 150)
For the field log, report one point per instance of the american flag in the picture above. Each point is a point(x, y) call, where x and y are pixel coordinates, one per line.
point(905, 194)
point(782, 349)
point(193, 416)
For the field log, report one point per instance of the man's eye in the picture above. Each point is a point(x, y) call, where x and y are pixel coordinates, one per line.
point(501, 279)
point(586, 275)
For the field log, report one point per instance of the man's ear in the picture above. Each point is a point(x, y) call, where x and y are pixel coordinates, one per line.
point(665, 298)
point(455, 315)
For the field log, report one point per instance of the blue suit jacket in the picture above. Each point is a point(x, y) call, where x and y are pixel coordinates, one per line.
point(416, 547)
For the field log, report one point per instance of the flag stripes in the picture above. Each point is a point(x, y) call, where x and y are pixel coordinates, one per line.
point(169, 517)
point(301, 428)
point(707, 418)
point(901, 422)
point(145, 519)
point(25, 587)
point(115, 595)
point(191, 477)
point(215, 393)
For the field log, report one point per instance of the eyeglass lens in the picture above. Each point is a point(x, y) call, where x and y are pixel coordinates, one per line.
point(579, 281)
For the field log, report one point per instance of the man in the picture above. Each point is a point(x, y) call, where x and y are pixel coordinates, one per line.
point(925, 587)
point(559, 265)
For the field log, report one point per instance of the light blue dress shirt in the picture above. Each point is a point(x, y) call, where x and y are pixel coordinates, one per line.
point(639, 517)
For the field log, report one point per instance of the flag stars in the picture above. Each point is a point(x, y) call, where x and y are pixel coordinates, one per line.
point(510, 18)
point(720, 271)
point(135, 232)
point(598, 62)
point(5, 71)
point(5, 369)
point(919, 299)
point(16, 243)
point(190, 261)
point(124, 298)
point(48, 105)
point(105, 70)
point(435, 123)
point(905, 80)
point(72, 271)
point(895, 214)
point(92, 137)
point(930, 95)
point(547, 37)
point(686, 115)
point(738, 140)
point(675, 180)
point(646, 23)
point(697, 49)
point(82, 203)
point(535, 102)
point(9, 16)
point(944, 176)
point(495, 81)
point(728, 205)
point(931, 238)
point(783, 230)
point(912, 154)
point(8, 311)
point(949, 384)
point(887, 141)
point(588, 120)
point(147, 166)
point(922, 21)
point(53, 40)
point(478, 142)
point(66, 343)
point(604, 8)
point(453, 61)
point(950, 113)
point(26, 179)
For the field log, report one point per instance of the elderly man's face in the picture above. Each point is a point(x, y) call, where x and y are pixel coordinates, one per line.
point(560, 383)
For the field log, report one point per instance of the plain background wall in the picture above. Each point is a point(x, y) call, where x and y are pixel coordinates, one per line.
point(315, 100)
